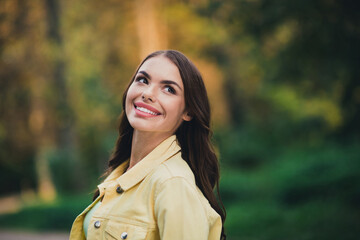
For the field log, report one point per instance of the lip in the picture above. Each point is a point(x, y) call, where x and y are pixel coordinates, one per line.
point(141, 104)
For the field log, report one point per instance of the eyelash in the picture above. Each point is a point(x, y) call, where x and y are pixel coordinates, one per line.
point(138, 79)
point(170, 89)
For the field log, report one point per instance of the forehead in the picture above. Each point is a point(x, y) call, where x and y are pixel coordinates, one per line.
point(161, 68)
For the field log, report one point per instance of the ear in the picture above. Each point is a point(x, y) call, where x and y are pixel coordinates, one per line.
point(186, 117)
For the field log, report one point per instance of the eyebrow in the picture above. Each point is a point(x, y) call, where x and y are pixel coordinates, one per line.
point(146, 74)
point(163, 81)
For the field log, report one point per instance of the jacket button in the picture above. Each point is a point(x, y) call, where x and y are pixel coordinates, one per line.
point(124, 235)
point(119, 190)
point(97, 224)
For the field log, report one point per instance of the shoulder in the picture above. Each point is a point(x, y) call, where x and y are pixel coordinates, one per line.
point(175, 183)
point(173, 168)
point(174, 172)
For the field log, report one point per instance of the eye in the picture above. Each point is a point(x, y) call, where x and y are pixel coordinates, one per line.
point(170, 89)
point(141, 80)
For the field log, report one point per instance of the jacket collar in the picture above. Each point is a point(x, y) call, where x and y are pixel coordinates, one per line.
point(127, 180)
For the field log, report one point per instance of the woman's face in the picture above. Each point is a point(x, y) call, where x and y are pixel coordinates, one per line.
point(155, 100)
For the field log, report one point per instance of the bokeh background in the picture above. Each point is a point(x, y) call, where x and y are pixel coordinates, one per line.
point(283, 78)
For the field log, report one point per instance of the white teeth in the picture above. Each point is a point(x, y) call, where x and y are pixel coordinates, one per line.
point(145, 110)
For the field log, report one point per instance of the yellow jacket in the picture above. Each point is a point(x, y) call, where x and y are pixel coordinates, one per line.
point(155, 199)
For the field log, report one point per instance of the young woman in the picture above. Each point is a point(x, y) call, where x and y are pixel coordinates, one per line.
point(163, 169)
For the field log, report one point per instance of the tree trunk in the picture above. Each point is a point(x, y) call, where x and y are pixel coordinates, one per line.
point(40, 126)
point(151, 31)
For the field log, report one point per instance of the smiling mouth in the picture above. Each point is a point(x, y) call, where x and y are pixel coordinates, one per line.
point(145, 110)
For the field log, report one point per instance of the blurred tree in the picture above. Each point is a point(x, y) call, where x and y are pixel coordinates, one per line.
point(151, 31)
point(308, 47)
point(197, 36)
point(15, 137)
point(64, 113)
point(101, 52)
point(33, 50)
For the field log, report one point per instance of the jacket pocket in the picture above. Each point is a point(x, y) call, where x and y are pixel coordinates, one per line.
point(119, 230)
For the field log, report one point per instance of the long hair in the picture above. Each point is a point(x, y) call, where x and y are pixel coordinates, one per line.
point(201, 159)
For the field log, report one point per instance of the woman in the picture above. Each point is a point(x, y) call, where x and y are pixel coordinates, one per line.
point(163, 169)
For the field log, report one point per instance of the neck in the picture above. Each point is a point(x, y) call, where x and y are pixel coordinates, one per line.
point(142, 144)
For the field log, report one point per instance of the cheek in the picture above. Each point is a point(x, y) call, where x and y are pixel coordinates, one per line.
point(131, 94)
point(176, 108)
point(128, 100)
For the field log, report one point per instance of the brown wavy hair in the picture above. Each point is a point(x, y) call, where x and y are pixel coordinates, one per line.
point(194, 137)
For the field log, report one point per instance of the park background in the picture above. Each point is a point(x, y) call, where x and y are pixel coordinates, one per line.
point(283, 79)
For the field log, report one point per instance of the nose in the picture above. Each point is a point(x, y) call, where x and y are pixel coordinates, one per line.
point(149, 95)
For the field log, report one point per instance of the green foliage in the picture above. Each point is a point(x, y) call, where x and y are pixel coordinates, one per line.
point(309, 46)
point(298, 192)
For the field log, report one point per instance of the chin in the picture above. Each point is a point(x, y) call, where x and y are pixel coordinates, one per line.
point(146, 127)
